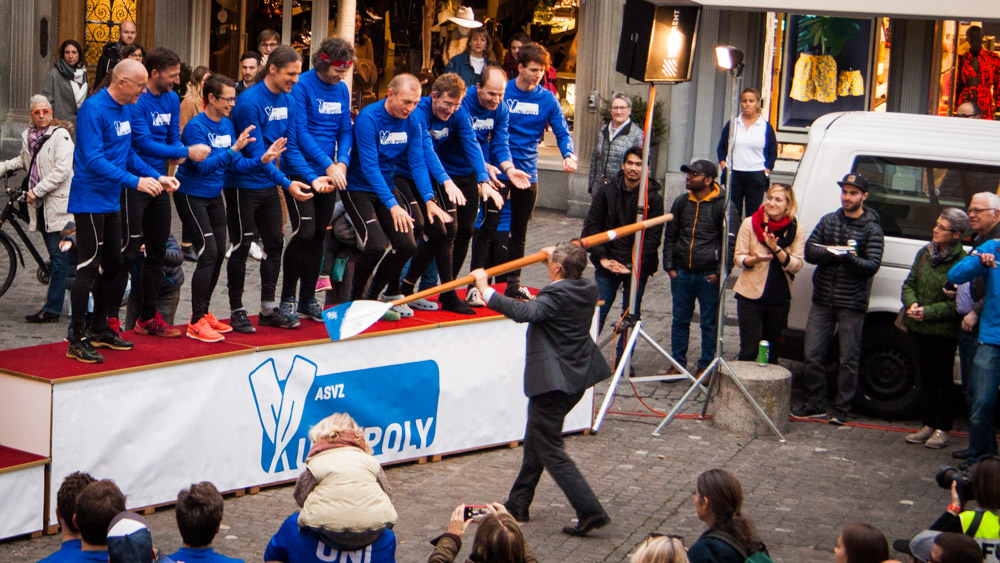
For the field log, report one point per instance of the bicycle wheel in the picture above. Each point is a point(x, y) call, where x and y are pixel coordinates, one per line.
point(8, 264)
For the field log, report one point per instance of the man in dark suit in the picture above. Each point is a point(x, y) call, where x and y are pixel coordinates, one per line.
point(562, 362)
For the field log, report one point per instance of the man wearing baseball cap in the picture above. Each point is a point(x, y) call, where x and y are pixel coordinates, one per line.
point(692, 251)
point(846, 247)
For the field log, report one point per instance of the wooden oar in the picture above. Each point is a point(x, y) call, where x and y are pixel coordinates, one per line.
point(354, 317)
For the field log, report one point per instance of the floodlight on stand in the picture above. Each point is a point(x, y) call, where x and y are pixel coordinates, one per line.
point(729, 58)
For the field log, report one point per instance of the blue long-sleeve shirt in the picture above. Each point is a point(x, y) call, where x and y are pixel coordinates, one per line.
point(490, 127)
point(969, 268)
point(455, 142)
point(529, 113)
point(206, 178)
point(273, 115)
point(156, 135)
point(381, 141)
point(323, 127)
point(104, 162)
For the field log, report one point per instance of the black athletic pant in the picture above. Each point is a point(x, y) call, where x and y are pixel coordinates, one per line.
point(304, 254)
point(437, 242)
point(522, 203)
point(248, 209)
point(98, 265)
point(414, 205)
point(465, 223)
point(145, 220)
point(375, 228)
point(205, 221)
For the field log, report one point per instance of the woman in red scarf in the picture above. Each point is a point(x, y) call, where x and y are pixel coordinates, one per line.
point(770, 249)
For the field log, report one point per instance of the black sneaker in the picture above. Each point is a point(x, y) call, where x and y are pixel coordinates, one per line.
point(278, 319)
point(838, 420)
point(190, 254)
point(241, 322)
point(806, 412)
point(451, 302)
point(83, 351)
point(961, 454)
point(108, 338)
point(42, 316)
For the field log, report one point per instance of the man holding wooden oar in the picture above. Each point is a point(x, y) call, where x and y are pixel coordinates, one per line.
point(563, 362)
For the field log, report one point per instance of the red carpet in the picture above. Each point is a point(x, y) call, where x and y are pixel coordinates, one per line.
point(11, 458)
point(49, 361)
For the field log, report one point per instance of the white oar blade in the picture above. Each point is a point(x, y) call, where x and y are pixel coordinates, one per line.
point(348, 319)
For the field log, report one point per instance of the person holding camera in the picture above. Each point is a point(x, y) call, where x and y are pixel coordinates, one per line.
point(982, 484)
point(498, 538)
point(933, 323)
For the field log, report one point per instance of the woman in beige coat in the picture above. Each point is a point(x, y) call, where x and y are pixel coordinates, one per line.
point(49, 177)
point(769, 248)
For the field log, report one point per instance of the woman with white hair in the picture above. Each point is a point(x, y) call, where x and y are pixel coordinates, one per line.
point(47, 155)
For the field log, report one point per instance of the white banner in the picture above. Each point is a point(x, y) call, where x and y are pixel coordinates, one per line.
point(23, 494)
point(243, 421)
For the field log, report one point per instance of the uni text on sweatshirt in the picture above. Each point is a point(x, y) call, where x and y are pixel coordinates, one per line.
point(490, 127)
point(454, 142)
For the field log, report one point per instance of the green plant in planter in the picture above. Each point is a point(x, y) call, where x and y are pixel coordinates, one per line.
point(825, 35)
point(185, 77)
point(639, 115)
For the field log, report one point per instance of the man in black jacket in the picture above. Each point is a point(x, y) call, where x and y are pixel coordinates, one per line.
point(846, 247)
point(562, 363)
point(692, 255)
point(616, 203)
point(112, 52)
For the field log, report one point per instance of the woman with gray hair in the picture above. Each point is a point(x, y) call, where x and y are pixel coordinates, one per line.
point(614, 139)
point(929, 316)
point(47, 155)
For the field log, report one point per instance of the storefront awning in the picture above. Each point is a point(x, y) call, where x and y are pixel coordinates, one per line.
point(923, 9)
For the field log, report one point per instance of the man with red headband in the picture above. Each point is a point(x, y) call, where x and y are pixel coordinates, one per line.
point(321, 146)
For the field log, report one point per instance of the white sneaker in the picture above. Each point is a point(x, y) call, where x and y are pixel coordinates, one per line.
point(255, 252)
point(423, 305)
point(404, 310)
point(474, 298)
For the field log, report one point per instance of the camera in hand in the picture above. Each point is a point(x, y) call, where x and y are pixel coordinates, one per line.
point(963, 485)
point(473, 511)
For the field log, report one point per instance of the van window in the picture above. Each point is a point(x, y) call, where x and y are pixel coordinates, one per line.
point(909, 194)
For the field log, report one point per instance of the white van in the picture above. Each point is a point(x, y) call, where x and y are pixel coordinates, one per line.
point(916, 165)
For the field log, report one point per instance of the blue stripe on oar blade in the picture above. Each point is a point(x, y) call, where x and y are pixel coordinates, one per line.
point(349, 319)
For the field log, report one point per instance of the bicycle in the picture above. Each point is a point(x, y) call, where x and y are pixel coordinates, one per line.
point(10, 251)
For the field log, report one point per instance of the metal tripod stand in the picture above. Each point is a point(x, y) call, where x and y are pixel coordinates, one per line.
point(718, 364)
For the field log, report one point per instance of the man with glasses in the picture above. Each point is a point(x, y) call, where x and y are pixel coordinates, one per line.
point(267, 41)
point(145, 217)
point(692, 247)
point(612, 141)
point(846, 247)
point(970, 302)
point(104, 164)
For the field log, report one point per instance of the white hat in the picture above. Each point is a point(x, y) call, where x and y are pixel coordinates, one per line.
point(465, 18)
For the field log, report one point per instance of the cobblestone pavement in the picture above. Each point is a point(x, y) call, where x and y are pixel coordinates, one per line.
point(799, 494)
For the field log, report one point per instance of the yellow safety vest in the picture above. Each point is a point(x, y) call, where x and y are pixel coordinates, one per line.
point(987, 533)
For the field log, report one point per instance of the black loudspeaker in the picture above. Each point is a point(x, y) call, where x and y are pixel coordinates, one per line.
point(657, 40)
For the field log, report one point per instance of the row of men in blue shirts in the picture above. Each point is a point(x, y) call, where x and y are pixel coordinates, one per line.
point(410, 171)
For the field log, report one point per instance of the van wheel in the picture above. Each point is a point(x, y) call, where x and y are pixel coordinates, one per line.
point(889, 380)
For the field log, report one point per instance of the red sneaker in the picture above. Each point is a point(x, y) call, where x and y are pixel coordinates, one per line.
point(202, 330)
point(156, 326)
point(216, 324)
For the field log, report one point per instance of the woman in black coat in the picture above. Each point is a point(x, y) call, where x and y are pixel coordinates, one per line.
point(731, 536)
point(66, 84)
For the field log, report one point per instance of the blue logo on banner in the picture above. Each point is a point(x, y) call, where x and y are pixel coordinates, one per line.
point(396, 405)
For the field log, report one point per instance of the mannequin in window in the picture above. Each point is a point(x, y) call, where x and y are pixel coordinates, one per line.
point(979, 74)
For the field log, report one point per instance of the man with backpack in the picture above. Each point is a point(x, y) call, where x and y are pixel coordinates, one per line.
point(692, 257)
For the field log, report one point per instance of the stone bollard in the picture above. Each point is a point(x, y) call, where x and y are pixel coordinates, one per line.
point(770, 386)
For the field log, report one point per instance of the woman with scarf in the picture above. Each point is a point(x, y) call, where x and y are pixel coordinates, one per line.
point(930, 318)
point(343, 492)
point(47, 155)
point(66, 84)
point(770, 248)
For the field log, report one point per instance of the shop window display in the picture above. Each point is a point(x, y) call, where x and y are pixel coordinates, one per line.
point(969, 67)
point(826, 66)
